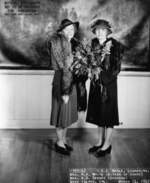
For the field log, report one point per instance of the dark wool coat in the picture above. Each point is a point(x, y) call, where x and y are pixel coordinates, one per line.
point(62, 114)
point(102, 104)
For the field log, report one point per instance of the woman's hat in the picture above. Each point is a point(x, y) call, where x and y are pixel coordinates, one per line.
point(67, 22)
point(101, 23)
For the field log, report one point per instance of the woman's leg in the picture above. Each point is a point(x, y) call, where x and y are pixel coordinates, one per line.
point(61, 146)
point(101, 135)
point(65, 135)
point(81, 118)
point(68, 147)
point(60, 134)
point(108, 138)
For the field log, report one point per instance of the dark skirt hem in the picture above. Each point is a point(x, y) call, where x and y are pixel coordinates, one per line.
point(64, 115)
point(104, 124)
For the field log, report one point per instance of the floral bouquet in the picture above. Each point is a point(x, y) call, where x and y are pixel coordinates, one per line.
point(86, 63)
point(97, 58)
point(81, 63)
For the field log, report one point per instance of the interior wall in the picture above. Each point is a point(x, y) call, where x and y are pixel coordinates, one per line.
point(25, 99)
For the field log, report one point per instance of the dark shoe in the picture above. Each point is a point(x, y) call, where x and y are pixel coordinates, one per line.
point(94, 149)
point(61, 150)
point(69, 148)
point(101, 153)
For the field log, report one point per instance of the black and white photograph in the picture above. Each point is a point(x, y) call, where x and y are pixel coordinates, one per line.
point(74, 91)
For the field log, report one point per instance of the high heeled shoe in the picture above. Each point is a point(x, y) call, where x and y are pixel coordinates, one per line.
point(61, 150)
point(101, 153)
point(94, 148)
point(68, 147)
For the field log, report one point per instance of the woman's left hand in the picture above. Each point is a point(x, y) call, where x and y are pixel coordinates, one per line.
point(65, 98)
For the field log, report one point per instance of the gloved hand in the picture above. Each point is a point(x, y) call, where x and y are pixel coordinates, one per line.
point(65, 98)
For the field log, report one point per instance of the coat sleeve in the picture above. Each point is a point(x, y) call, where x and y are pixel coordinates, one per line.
point(110, 75)
point(66, 82)
point(60, 61)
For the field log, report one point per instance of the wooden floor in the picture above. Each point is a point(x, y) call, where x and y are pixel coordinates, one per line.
point(28, 156)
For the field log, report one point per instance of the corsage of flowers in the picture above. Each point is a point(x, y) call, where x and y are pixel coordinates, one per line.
point(84, 60)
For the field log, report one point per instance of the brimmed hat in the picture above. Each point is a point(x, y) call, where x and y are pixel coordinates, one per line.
point(100, 23)
point(65, 23)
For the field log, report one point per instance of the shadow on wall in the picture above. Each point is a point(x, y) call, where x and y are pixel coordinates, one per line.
point(37, 57)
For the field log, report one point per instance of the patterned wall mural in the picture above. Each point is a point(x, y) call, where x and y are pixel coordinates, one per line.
point(27, 25)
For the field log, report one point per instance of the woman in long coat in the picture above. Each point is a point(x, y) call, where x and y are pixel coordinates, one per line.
point(64, 97)
point(103, 106)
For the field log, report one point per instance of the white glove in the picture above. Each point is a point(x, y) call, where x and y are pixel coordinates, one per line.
point(89, 73)
point(65, 98)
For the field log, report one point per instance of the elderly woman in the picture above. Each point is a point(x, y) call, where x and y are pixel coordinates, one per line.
point(64, 98)
point(102, 105)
